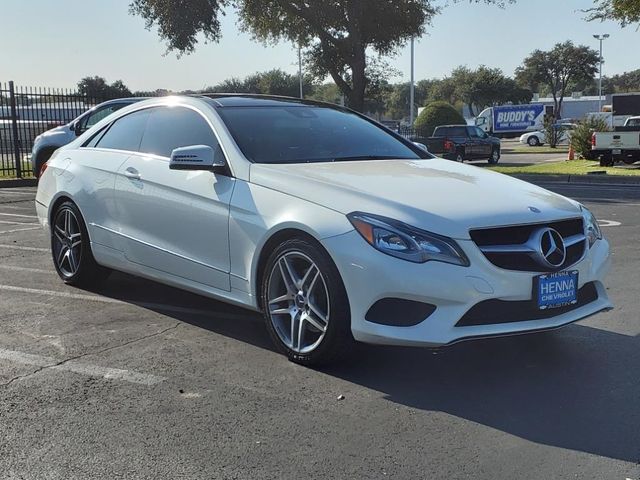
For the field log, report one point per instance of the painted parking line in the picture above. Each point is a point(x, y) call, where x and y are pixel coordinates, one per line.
point(609, 223)
point(9, 222)
point(15, 192)
point(17, 215)
point(15, 268)
point(82, 368)
point(15, 230)
point(26, 249)
point(163, 307)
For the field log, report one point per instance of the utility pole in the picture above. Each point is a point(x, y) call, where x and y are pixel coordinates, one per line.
point(412, 94)
point(601, 38)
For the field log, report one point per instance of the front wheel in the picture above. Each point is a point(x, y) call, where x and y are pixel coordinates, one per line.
point(533, 141)
point(305, 304)
point(495, 156)
point(71, 249)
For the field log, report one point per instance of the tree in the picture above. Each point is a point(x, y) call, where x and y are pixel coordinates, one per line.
point(436, 114)
point(272, 82)
point(560, 68)
point(624, 11)
point(486, 87)
point(97, 88)
point(337, 34)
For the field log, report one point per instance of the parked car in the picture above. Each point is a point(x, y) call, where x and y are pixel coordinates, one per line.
point(330, 224)
point(623, 144)
point(45, 144)
point(535, 139)
point(463, 142)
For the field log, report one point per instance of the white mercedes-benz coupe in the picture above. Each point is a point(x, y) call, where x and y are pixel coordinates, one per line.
point(330, 224)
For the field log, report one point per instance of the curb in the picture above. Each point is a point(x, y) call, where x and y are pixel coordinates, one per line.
point(581, 179)
point(18, 182)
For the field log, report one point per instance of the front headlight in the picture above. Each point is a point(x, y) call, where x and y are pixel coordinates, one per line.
point(408, 243)
point(591, 227)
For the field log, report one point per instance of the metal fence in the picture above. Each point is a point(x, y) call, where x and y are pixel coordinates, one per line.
point(25, 113)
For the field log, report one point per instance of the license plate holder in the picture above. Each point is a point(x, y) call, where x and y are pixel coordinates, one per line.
point(556, 290)
point(617, 151)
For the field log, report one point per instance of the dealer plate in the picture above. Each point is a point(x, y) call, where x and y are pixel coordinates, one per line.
point(555, 290)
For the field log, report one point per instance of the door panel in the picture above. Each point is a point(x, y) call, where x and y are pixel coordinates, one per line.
point(97, 171)
point(175, 221)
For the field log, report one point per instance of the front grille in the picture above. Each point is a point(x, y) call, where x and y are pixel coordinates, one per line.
point(494, 238)
point(495, 312)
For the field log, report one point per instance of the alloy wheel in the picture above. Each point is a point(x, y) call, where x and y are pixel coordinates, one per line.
point(67, 242)
point(298, 302)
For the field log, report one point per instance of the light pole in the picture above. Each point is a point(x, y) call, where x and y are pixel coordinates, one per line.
point(300, 70)
point(412, 90)
point(601, 38)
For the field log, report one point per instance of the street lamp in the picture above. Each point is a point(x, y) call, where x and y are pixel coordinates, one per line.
point(300, 70)
point(412, 94)
point(601, 38)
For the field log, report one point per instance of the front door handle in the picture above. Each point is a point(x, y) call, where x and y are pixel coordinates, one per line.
point(132, 173)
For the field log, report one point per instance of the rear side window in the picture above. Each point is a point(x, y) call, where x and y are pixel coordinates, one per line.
point(126, 132)
point(173, 127)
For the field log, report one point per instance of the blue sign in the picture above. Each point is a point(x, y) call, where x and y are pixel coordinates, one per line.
point(517, 118)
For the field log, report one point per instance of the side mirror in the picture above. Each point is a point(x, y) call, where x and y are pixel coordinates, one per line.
point(195, 157)
point(421, 145)
point(77, 128)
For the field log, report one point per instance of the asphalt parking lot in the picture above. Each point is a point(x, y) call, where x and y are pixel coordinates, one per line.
point(139, 380)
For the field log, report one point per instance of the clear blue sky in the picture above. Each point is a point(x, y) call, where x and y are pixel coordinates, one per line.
point(55, 43)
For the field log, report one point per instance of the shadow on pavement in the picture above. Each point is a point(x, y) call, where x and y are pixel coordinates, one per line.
point(577, 388)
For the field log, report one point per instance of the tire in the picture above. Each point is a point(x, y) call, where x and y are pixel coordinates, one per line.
point(606, 162)
point(459, 156)
point(71, 249)
point(495, 156)
point(533, 141)
point(301, 287)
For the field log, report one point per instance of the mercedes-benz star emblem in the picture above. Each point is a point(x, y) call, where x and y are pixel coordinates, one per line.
point(552, 252)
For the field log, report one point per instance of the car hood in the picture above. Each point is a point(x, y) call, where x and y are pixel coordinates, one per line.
point(435, 194)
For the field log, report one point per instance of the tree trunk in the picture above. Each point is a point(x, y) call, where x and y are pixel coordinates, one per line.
point(359, 80)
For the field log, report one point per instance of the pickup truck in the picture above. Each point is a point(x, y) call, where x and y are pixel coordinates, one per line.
point(463, 142)
point(623, 144)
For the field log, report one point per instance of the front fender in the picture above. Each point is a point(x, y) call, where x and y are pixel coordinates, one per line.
point(258, 213)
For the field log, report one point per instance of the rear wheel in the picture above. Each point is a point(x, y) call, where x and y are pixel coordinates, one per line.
point(305, 304)
point(495, 156)
point(459, 156)
point(71, 249)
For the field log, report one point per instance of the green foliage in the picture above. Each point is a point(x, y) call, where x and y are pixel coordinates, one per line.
point(97, 88)
point(436, 114)
point(552, 134)
point(179, 22)
point(581, 136)
point(625, 12)
point(486, 87)
point(272, 82)
point(336, 34)
point(558, 69)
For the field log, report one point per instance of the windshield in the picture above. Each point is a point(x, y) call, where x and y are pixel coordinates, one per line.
point(303, 134)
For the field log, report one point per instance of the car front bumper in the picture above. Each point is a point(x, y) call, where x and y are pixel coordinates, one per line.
point(370, 275)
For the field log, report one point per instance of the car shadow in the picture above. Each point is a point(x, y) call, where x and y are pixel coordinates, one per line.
point(576, 388)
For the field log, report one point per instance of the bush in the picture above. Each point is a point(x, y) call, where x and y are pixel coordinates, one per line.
point(581, 136)
point(435, 115)
point(551, 131)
